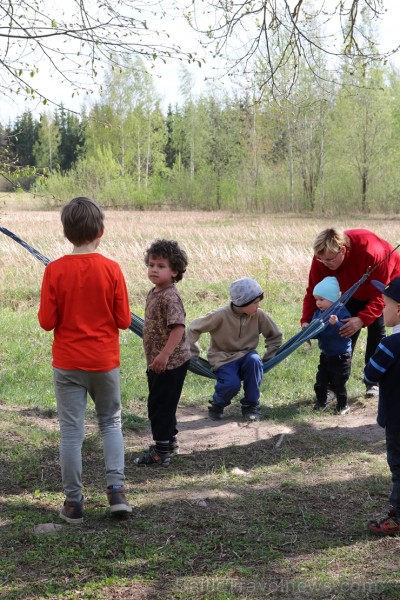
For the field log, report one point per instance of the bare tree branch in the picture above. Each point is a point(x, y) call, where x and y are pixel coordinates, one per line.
point(283, 33)
point(75, 40)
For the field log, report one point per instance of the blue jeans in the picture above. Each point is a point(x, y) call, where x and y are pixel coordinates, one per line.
point(249, 369)
point(71, 389)
point(393, 459)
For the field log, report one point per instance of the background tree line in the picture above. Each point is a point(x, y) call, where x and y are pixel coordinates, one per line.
point(301, 147)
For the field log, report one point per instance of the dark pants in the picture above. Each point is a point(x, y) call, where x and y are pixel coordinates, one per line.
point(333, 373)
point(375, 331)
point(164, 393)
point(393, 459)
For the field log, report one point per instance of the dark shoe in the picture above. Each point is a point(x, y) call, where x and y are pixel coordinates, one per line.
point(215, 412)
point(342, 410)
point(152, 457)
point(119, 505)
point(320, 406)
point(173, 447)
point(251, 413)
point(372, 391)
point(72, 512)
point(389, 525)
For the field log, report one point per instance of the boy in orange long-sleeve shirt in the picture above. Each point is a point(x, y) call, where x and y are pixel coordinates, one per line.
point(85, 301)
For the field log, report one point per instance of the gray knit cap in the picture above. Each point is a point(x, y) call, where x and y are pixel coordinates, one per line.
point(244, 291)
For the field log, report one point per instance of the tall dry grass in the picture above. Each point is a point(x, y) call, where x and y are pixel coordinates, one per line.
point(221, 246)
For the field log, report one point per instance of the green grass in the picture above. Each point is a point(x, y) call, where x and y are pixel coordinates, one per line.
point(292, 525)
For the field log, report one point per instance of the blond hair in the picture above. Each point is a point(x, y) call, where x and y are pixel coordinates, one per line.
point(330, 240)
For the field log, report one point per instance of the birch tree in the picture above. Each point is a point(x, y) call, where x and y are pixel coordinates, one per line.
point(127, 120)
point(362, 131)
point(46, 146)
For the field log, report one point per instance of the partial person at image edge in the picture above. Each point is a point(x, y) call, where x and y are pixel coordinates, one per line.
point(384, 368)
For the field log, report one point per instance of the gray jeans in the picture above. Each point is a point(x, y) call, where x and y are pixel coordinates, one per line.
point(71, 390)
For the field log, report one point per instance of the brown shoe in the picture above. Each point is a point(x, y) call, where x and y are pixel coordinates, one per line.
point(119, 505)
point(72, 512)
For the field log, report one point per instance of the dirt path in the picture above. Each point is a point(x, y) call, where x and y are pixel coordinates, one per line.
point(197, 432)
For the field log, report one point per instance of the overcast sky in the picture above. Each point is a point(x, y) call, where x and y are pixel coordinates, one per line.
point(167, 75)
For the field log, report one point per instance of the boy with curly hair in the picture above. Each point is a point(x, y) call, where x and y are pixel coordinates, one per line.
point(166, 348)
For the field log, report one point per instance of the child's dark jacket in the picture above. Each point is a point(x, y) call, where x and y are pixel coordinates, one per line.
point(329, 340)
point(384, 368)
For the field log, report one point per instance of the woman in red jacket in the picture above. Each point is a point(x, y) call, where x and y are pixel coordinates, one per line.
point(349, 254)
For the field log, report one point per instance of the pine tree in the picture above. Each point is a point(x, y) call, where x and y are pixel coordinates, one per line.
point(23, 138)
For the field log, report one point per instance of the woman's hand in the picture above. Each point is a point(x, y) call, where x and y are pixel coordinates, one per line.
point(351, 326)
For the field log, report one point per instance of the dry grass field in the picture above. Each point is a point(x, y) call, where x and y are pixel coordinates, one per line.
point(221, 246)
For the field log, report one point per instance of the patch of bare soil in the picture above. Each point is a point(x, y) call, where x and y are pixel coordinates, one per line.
point(197, 432)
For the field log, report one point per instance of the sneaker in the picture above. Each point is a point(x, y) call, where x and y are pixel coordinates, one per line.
point(173, 447)
point(215, 412)
point(389, 525)
point(152, 457)
point(320, 406)
point(251, 413)
point(342, 410)
point(119, 505)
point(372, 391)
point(72, 512)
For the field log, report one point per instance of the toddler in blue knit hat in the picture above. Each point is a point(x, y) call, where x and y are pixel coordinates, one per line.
point(335, 358)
